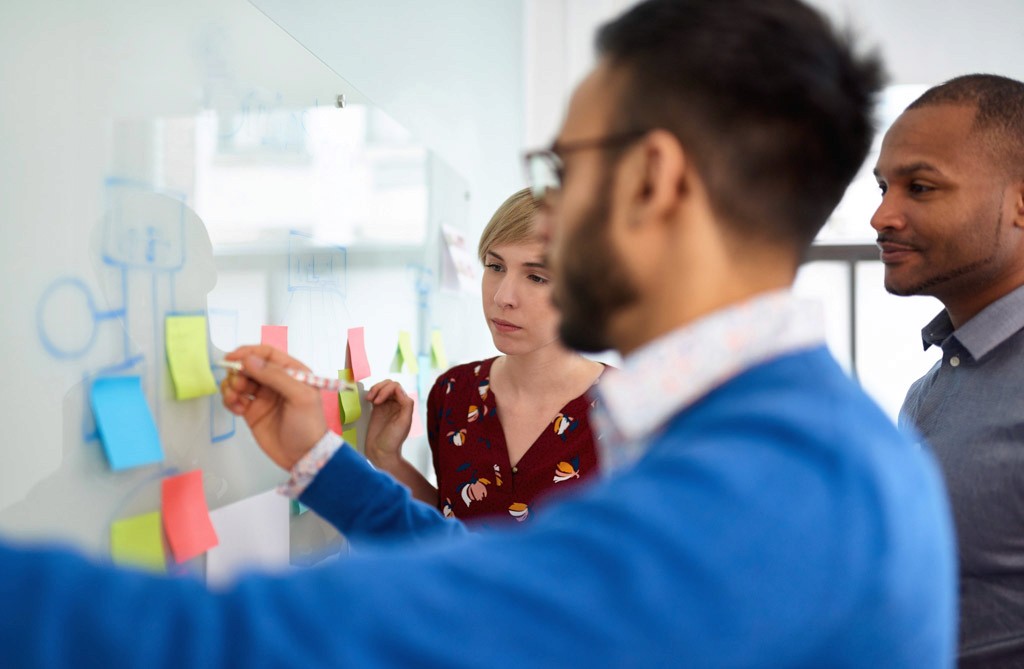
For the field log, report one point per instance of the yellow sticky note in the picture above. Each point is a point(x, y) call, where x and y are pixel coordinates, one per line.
point(406, 354)
point(187, 356)
point(351, 410)
point(138, 542)
point(437, 354)
point(351, 438)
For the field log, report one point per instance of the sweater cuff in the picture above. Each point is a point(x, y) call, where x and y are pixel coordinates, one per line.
point(306, 469)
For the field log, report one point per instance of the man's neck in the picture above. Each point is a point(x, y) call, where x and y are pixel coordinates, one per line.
point(671, 310)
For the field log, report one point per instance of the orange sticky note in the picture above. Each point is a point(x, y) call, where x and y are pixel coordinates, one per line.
point(332, 410)
point(416, 429)
point(276, 336)
point(355, 355)
point(186, 518)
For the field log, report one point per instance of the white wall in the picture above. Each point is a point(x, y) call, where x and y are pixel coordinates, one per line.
point(929, 41)
point(922, 42)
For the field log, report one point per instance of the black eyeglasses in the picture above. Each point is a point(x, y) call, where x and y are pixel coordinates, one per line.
point(545, 168)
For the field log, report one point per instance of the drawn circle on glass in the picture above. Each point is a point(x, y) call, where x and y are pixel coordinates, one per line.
point(63, 309)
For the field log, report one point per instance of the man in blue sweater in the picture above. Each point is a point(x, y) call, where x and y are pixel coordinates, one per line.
point(759, 510)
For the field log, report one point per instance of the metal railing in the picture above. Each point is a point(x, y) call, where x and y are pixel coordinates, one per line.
point(850, 254)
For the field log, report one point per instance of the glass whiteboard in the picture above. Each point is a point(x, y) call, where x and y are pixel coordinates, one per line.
point(191, 158)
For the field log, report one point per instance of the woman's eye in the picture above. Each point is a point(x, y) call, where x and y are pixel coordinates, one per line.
point(494, 267)
point(537, 279)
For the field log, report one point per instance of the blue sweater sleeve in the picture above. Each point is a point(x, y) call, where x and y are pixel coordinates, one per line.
point(735, 554)
point(367, 505)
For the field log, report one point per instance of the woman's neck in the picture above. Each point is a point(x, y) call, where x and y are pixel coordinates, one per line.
point(546, 371)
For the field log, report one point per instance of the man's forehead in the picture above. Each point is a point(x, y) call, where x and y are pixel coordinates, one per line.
point(591, 105)
point(937, 125)
point(935, 133)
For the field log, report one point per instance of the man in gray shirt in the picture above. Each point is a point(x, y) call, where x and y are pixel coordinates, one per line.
point(951, 225)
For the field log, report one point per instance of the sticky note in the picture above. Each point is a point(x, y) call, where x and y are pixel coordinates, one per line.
point(405, 357)
point(298, 508)
point(186, 519)
point(332, 410)
point(139, 542)
point(355, 354)
point(185, 339)
point(350, 407)
point(437, 354)
point(124, 422)
point(416, 429)
point(351, 437)
point(276, 336)
point(252, 534)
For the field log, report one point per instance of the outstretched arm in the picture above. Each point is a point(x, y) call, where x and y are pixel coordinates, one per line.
point(286, 418)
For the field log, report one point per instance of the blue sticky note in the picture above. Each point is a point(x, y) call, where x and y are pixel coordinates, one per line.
point(124, 422)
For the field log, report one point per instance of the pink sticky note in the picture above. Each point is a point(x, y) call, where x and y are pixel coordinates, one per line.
point(355, 355)
point(417, 428)
point(332, 410)
point(276, 336)
point(186, 518)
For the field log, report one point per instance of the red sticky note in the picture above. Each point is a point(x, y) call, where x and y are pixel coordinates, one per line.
point(355, 355)
point(417, 429)
point(186, 518)
point(332, 410)
point(276, 336)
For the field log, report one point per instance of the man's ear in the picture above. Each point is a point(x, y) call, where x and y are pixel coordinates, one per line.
point(665, 173)
point(1018, 204)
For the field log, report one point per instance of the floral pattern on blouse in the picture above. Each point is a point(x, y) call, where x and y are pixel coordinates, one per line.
point(476, 480)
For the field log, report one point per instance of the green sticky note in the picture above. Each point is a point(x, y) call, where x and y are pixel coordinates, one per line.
point(187, 356)
point(437, 354)
point(406, 354)
point(351, 438)
point(350, 408)
point(138, 542)
point(298, 508)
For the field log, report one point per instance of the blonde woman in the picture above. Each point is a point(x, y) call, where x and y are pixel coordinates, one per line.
point(506, 430)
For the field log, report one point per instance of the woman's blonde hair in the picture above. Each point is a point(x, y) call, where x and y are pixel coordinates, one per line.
point(512, 223)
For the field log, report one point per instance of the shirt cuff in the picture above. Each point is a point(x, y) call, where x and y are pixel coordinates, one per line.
point(306, 469)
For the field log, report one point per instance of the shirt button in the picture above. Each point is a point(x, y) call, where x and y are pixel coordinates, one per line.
point(955, 361)
point(515, 470)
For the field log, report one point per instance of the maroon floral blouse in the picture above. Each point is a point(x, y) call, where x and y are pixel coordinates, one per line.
point(475, 480)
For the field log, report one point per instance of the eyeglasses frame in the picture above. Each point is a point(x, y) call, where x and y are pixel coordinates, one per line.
point(554, 154)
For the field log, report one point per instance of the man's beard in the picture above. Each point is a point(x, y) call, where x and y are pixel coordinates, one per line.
point(934, 285)
point(591, 285)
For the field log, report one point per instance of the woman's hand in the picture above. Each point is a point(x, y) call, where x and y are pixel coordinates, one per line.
point(286, 416)
point(390, 421)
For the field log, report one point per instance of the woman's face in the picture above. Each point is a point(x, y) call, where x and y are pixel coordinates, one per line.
point(517, 298)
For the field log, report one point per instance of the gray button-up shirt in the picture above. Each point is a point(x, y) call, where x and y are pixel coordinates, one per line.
point(970, 408)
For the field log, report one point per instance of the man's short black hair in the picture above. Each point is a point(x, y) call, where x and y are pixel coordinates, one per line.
point(999, 115)
point(773, 107)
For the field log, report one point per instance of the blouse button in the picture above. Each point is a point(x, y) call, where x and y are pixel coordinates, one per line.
point(515, 470)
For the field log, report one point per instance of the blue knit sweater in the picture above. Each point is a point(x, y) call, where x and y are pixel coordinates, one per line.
point(781, 521)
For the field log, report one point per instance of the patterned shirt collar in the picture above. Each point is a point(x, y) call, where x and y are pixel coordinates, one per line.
point(672, 372)
point(989, 328)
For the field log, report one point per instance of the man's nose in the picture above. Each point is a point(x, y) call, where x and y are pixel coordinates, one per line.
point(888, 215)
